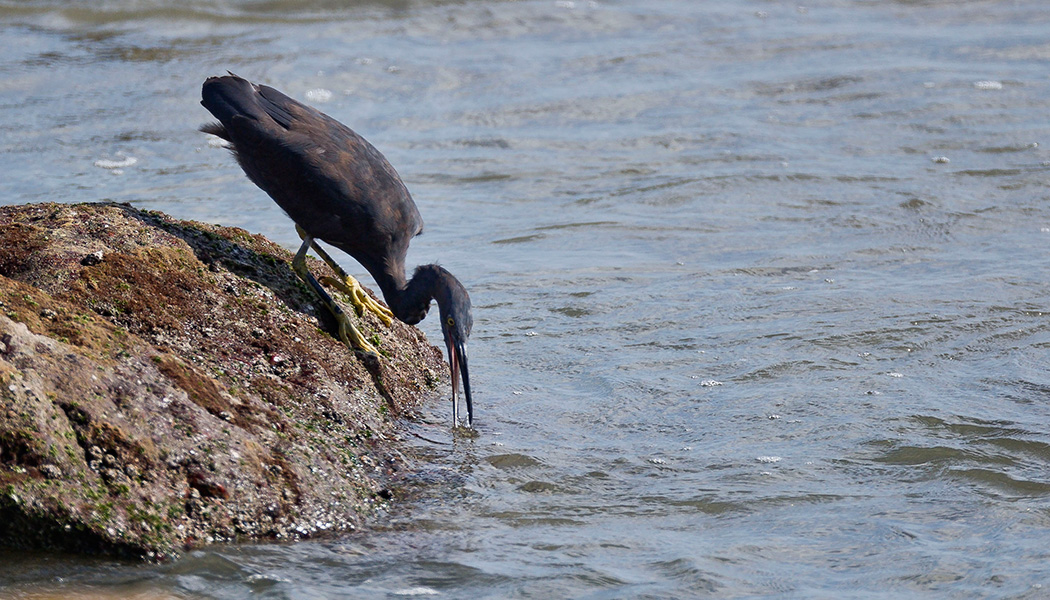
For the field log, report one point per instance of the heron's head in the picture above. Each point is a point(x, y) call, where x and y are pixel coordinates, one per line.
point(456, 322)
point(432, 282)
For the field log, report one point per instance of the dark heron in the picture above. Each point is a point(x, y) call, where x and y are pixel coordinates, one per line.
point(339, 189)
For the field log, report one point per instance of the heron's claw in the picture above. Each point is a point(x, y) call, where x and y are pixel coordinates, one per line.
point(347, 284)
point(347, 332)
point(360, 298)
point(351, 336)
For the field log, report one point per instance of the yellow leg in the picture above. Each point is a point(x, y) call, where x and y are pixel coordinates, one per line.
point(349, 286)
point(347, 332)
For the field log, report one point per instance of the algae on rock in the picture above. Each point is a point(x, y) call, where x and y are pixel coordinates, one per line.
point(166, 384)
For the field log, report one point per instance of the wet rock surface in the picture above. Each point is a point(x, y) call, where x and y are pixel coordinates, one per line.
point(168, 384)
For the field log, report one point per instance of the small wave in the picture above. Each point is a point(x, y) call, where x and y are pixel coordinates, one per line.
point(988, 85)
point(319, 95)
point(417, 591)
point(119, 163)
point(267, 578)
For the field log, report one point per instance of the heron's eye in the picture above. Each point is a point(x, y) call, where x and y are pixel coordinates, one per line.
point(451, 322)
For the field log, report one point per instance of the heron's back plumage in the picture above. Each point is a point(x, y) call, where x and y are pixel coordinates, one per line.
point(329, 179)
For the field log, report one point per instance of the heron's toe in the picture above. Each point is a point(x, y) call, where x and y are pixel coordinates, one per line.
point(360, 298)
point(354, 339)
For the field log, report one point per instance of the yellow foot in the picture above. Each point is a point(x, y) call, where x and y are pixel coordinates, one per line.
point(351, 336)
point(347, 332)
point(345, 283)
point(360, 298)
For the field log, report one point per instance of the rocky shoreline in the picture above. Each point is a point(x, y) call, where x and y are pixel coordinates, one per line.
point(167, 384)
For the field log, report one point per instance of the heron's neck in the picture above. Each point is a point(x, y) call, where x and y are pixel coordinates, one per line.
point(392, 282)
point(409, 300)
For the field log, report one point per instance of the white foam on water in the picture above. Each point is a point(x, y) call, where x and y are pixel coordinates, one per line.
point(319, 95)
point(417, 591)
point(118, 163)
point(988, 85)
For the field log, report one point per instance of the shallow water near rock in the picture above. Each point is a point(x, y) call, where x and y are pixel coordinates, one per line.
point(760, 288)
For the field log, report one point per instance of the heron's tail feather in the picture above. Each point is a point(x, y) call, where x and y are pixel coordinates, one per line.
point(231, 96)
point(216, 129)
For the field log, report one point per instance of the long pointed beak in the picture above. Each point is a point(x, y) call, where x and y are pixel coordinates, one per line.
point(457, 361)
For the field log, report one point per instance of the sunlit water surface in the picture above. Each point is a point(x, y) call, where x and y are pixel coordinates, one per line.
point(760, 289)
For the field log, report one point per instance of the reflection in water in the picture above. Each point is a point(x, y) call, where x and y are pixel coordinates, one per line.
point(738, 327)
